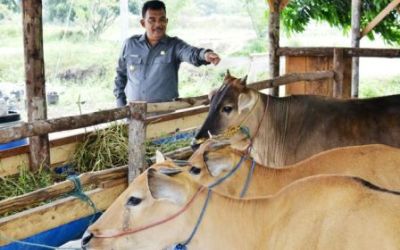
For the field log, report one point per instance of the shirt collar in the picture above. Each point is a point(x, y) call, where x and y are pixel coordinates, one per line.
point(163, 40)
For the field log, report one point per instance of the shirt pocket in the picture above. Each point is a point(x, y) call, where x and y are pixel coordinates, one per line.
point(134, 65)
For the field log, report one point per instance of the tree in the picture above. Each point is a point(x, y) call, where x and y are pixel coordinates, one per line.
point(298, 13)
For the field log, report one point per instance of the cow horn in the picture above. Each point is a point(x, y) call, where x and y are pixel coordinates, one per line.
point(228, 74)
point(243, 81)
point(209, 134)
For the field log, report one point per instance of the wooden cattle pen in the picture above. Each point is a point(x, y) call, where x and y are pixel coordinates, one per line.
point(304, 72)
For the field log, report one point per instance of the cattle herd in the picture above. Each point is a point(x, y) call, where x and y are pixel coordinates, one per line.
point(298, 172)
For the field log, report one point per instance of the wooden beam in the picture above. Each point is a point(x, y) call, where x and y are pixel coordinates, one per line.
point(36, 220)
point(273, 35)
point(293, 77)
point(338, 68)
point(43, 127)
point(35, 79)
point(180, 103)
point(380, 17)
point(328, 51)
point(137, 138)
point(62, 188)
point(355, 43)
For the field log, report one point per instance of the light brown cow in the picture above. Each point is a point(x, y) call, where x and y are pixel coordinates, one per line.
point(379, 164)
point(290, 129)
point(319, 212)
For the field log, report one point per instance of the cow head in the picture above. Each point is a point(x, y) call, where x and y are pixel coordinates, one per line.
point(154, 195)
point(229, 106)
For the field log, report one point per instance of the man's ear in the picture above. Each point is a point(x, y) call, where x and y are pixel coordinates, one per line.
point(159, 157)
point(162, 186)
point(142, 22)
point(246, 101)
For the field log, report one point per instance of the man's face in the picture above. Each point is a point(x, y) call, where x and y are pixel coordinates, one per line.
point(155, 22)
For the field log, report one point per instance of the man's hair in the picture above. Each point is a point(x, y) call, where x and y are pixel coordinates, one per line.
point(154, 5)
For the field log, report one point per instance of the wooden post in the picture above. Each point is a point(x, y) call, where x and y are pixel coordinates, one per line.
point(355, 43)
point(273, 34)
point(338, 68)
point(137, 137)
point(35, 81)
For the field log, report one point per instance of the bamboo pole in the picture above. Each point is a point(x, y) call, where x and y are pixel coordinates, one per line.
point(39, 150)
point(380, 17)
point(355, 43)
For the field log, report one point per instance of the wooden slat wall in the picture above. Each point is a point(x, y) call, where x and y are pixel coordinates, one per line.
point(295, 64)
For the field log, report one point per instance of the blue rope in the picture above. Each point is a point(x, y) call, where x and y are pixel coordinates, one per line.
point(183, 246)
point(78, 193)
point(248, 179)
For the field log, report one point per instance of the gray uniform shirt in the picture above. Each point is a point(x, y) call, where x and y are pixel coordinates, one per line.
point(146, 73)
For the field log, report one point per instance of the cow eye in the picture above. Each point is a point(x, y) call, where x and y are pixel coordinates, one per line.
point(133, 201)
point(195, 170)
point(227, 109)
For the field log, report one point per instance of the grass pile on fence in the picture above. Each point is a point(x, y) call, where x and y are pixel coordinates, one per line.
point(102, 149)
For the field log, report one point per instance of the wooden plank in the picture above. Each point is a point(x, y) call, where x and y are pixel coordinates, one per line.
point(56, 190)
point(39, 152)
point(273, 35)
point(43, 127)
point(338, 68)
point(322, 87)
point(181, 103)
point(295, 64)
point(290, 78)
point(380, 17)
point(170, 126)
point(328, 51)
point(52, 215)
point(137, 138)
point(58, 155)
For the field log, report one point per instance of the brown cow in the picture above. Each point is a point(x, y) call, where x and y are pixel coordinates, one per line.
point(321, 212)
point(379, 164)
point(290, 129)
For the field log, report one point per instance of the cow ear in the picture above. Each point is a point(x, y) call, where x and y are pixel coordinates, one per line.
point(159, 157)
point(215, 169)
point(164, 187)
point(246, 101)
point(243, 81)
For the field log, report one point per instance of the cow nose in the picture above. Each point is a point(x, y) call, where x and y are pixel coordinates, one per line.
point(86, 239)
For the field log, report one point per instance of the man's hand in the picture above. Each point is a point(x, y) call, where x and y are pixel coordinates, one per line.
point(212, 57)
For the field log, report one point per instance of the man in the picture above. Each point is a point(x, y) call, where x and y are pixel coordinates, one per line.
point(149, 63)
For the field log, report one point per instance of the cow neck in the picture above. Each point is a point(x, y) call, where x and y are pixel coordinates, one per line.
point(156, 223)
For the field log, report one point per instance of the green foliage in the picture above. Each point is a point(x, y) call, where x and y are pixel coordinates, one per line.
point(59, 11)
point(379, 87)
point(11, 5)
point(337, 13)
point(25, 182)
